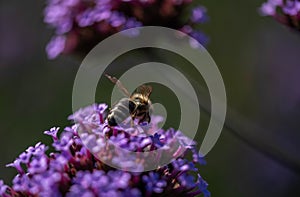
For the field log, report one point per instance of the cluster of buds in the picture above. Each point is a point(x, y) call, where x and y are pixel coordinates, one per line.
point(76, 167)
point(286, 12)
point(80, 24)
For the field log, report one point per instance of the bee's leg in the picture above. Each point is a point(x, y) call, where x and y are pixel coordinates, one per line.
point(143, 119)
point(132, 121)
point(148, 118)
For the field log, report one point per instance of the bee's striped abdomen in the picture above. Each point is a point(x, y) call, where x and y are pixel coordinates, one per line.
point(119, 112)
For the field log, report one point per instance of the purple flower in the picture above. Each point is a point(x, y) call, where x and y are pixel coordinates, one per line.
point(38, 150)
point(198, 158)
point(17, 165)
point(199, 38)
point(182, 165)
point(74, 168)
point(187, 180)
point(56, 46)
point(93, 143)
point(59, 163)
point(101, 108)
point(268, 9)
point(119, 178)
point(85, 18)
point(22, 183)
point(199, 14)
point(52, 132)
point(80, 23)
point(292, 7)
point(38, 165)
point(25, 157)
point(154, 183)
point(64, 143)
point(132, 23)
point(202, 186)
point(286, 12)
point(156, 140)
point(116, 19)
point(3, 188)
point(101, 12)
point(100, 183)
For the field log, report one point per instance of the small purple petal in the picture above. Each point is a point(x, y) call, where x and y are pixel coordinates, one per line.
point(38, 165)
point(55, 46)
point(17, 165)
point(200, 38)
point(202, 185)
point(39, 149)
point(25, 157)
point(3, 188)
point(64, 143)
point(268, 9)
point(101, 108)
point(116, 19)
point(85, 18)
point(199, 14)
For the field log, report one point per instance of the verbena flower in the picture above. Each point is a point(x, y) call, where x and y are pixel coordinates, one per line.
point(284, 11)
point(74, 167)
point(80, 24)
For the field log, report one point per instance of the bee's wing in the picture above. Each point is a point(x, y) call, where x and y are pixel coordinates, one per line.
point(144, 90)
point(119, 84)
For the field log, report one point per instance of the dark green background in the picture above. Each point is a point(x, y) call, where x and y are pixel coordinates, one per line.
point(258, 59)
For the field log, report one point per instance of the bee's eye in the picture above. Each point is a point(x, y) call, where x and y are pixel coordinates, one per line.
point(131, 106)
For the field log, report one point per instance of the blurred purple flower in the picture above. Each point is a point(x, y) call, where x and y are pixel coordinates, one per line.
point(284, 11)
point(56, 46)
point(199, 14)
point(75, 170)
point(80, 24)
point(154, 183)
point(202, 185)
point(3, 189)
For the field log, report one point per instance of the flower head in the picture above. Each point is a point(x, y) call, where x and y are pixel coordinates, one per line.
point(284, 11)
point(76, 167)
point(79, 24)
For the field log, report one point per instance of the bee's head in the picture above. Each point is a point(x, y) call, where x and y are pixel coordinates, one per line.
point(138, 106)
point(140, 98)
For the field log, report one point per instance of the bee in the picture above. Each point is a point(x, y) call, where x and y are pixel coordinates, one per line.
point(136, 105)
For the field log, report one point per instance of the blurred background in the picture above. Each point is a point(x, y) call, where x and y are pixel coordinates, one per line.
point(257, 153)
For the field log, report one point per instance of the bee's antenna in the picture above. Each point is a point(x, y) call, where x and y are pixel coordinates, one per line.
point(112, 79)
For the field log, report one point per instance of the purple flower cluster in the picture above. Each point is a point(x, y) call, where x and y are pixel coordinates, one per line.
point(284, 11)
point(75, 168)
point(81, 24)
